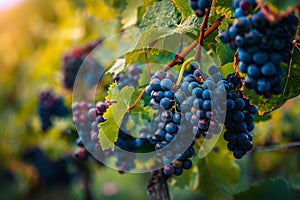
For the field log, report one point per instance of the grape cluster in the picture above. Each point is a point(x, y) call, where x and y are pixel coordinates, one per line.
point(83, 120)
point(50, 173)
point(48, 106)
point(199, 6)
point(130, 78)
point(86, 118)
point(72, 62)
point(202, 108)
point(168, 128)
point(239, 120)
point(262, 46)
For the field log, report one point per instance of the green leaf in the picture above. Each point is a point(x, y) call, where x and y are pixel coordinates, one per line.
point(162, 15)
point(279, 5)
point(149, 36)
point(183, 7)
point(262, 118)
point(117, 67)
point(226, 69)
point(225, 53)
point(142, 9)
point(144, 78)
point(140, 106)
point(187, 180)
point(219, 174)
point(267, 190)
point(109, 130)
point(291, 79)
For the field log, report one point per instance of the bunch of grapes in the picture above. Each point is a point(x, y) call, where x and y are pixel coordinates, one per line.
point(49, 106)
point(239, 120)
point(169, 129)
point(201, 106)
point(72, 62)
point(86, 118)
point(262, 46)
point(199, 6)
point(83, 120)
point(130, 78)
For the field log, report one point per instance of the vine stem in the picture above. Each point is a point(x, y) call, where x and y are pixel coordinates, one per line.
point(277, 147)
point(137, 100)
point(181, 55)
point(201, 37)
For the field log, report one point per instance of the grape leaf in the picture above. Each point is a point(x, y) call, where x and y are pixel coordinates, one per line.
point(291, 79)
point(142, 9)
point(226, 69)
point(225, 53)
point(279, 5)
point(183, 7)
point(272, 189)
point(117, 67)
point(219, 174)
point(109, 130)
point(140, 106)
point(144, 78)
point(189, 179)
point(162, 15)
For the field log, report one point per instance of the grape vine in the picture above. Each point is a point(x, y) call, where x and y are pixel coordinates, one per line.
point(196, 96)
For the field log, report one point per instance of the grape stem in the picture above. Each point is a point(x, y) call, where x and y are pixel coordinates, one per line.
point(201, 36)
point(182, 69)
point(181, 55)
point(137, 100)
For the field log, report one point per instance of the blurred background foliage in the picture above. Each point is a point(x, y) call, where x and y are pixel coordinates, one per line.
point(33, 38)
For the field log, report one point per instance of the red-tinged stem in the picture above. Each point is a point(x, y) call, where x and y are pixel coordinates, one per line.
point(201, 37)
point(137, 100)
point(178, 58)
point(148, 66)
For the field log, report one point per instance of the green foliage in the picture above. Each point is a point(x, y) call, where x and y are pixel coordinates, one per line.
point(109, 130)
point(162, 15)
point(36, 36)
point(214, 176)
point(183, 7)
point(268, 190)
